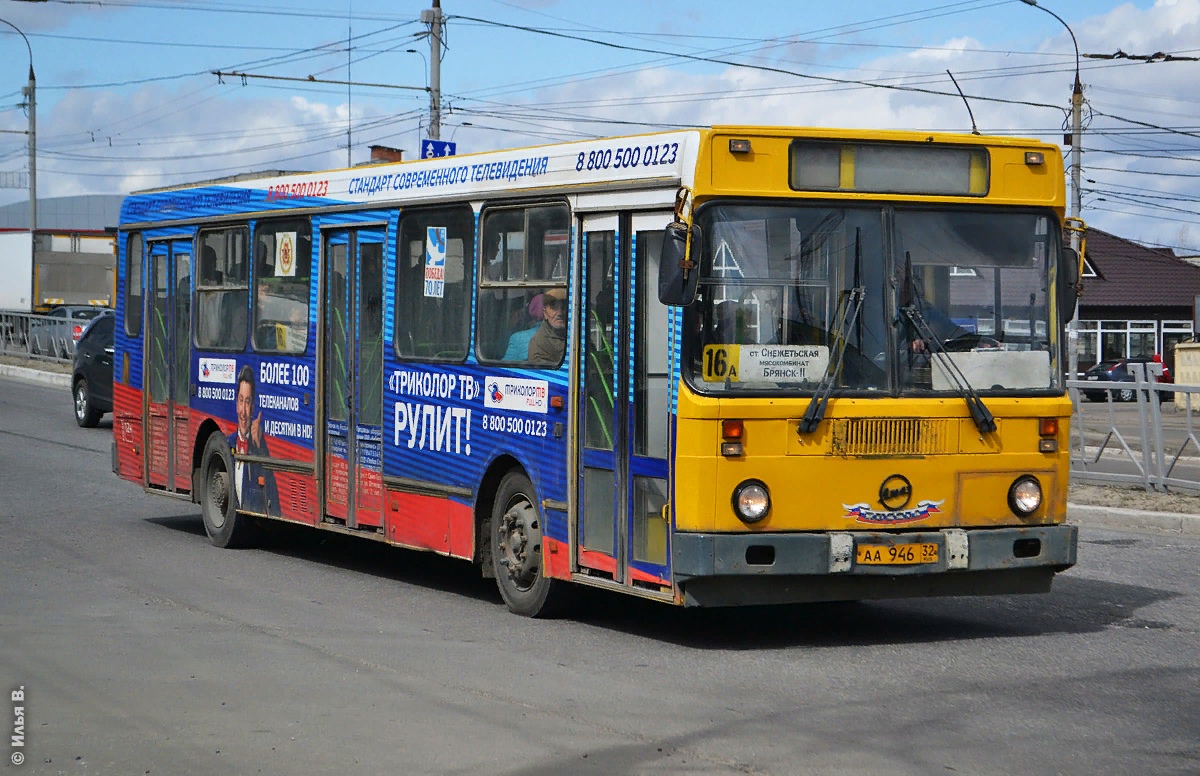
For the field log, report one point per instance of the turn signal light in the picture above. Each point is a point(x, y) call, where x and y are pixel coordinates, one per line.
point(1048, 426)
point(732, 429)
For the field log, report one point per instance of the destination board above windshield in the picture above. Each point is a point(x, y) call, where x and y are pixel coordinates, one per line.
point(888, 168)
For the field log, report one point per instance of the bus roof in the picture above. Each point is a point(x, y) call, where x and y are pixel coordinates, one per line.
point(650, 160)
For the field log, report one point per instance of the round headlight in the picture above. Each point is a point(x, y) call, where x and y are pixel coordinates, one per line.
point(1025, 496)
point(751, 501)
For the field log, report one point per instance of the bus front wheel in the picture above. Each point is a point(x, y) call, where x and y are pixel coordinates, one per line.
point(517, 550)
point(224, 526)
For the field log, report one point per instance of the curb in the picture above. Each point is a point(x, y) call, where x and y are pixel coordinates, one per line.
point(35, 375)
point(1133, 519)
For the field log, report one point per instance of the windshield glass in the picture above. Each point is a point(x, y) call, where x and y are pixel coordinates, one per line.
point(979, 281)
point(774, 307)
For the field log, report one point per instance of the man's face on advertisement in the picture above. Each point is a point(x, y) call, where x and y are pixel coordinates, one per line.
point(245, 408)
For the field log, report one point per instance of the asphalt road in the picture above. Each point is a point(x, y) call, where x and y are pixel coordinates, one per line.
point(144, 650)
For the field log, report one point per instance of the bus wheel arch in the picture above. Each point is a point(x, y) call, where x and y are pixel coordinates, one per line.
point(206, 430)
point(515, 547)
point(485, 496)
point(225, 526)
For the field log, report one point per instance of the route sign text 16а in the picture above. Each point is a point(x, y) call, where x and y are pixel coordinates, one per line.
point(431, 149)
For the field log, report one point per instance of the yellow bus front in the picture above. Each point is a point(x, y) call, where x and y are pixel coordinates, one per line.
point(871, 398)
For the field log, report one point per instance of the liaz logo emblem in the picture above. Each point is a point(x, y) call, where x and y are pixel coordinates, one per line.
point(895, 493)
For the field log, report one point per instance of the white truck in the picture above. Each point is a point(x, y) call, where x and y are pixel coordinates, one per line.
point(51, 268)
point(51, 284)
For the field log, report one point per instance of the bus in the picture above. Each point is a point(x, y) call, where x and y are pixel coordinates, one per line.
point(721, 366)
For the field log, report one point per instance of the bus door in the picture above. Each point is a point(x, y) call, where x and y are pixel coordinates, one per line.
point(168, 366)
point(622, 530)
point(352, 373)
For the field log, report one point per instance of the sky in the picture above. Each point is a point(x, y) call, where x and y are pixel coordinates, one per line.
point(126, 98)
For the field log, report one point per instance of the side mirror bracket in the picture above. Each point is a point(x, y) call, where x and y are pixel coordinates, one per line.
point(1070, 272)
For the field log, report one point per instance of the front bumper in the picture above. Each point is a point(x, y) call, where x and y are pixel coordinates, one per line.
point(736, 569)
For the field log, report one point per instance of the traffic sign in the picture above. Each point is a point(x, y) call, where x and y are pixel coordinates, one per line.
point(431, 149)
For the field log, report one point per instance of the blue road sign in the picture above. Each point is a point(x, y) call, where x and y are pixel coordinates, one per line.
point(433, 148)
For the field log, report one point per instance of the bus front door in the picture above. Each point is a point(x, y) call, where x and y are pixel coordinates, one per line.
point(353, 376)
point(623, 370)
point(168, 367)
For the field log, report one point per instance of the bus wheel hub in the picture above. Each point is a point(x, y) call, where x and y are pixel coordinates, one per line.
point(520, 542)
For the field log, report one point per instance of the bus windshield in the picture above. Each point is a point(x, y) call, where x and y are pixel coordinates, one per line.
point(947, 295)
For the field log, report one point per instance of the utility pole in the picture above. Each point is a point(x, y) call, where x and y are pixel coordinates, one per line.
point(1076, 194)
point(433, 17)
point(1076, 208)
point(30, 94)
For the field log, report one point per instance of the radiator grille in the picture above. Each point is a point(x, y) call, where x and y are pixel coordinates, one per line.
point(893, 436)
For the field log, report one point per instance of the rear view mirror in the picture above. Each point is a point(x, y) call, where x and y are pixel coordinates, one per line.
point(678, 271)
point(1068, 285)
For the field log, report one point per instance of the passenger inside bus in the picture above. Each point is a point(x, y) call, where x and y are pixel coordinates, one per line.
point(518, 343)
point(549, 342)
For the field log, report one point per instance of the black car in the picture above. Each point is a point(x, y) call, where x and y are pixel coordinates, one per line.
point(1117, 370)
point(92, 377)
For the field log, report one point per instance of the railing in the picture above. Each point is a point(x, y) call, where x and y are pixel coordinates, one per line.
point(39, 337)
point(1110, 443)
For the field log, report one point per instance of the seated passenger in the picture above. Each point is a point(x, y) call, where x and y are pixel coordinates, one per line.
point(549, 341)
point(518, 343)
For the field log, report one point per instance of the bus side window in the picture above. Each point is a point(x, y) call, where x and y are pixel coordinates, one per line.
point(133, 285)
point(522, 285)
point(433, 292)
point(222, 290)
point(282, 281)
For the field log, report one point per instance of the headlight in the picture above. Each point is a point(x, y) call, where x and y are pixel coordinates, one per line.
point(751, 501)
point(1025, 496)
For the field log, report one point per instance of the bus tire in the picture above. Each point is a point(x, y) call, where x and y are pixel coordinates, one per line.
point(517, 550)
point(222, 522)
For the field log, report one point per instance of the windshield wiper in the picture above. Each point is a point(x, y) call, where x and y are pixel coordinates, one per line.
point(851, 304)
point(979, 411)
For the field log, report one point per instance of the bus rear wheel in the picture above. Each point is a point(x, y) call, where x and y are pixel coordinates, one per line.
point(517, 551)
point(224, 526)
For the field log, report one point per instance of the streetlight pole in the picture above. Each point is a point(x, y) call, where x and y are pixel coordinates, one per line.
point(424, 61)
point(1076, 193)
point(30, 94)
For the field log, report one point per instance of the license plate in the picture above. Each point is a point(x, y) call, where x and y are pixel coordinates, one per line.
point(1093, 377)
point(896, 554)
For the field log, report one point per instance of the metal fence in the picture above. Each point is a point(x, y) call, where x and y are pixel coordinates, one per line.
point(40, 337)
point(1149, 439)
